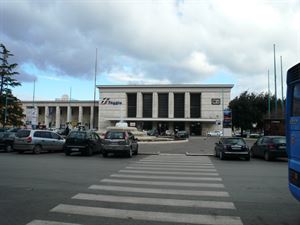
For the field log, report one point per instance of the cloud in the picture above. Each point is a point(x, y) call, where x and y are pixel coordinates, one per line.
point(160, 41)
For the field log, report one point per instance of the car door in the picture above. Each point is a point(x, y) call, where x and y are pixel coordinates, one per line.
point(97, 142)
point(57, 142)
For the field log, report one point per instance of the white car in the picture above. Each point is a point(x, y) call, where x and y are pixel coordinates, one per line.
point(216, 133)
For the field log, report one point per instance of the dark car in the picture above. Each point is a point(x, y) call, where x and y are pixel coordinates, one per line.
point(232, 147)
point(120, 142)
point(85, 142)
point(181, 135)
point(7, 139)
point(269, 147)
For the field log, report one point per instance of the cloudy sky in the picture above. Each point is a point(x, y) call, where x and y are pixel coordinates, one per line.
point(147, 42)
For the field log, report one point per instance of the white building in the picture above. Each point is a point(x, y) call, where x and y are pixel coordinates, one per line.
point(195, 108)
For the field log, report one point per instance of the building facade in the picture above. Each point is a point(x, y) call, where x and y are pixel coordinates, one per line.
point(194, 108)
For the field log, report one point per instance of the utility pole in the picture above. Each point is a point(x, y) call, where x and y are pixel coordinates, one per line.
point(282, 104)
point(95, 80)
point(269, 100)
point(276, 107)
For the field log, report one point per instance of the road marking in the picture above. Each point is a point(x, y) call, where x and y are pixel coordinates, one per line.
point(148, 215)
point(167, 177)
point(173, 169)
point(170, 173)
point(172, 163)
point(155, 201)
point(46, 222)
point(160, 191)
point(162, 183)
point(172, 166)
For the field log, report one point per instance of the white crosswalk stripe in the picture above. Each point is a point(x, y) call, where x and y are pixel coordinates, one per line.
point(162, 183)
point(148, 215)
point(176, 182)
point(156, 201)
point(169, 172)
point(46, 222)
point(160, 191)
point(172, 169)
point(185, 178)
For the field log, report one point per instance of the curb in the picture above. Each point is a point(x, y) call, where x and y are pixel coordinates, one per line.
point(198, 154)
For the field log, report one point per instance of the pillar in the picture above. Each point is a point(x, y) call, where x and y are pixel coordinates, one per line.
point(57, 117)
point(171, 105)
point(187, 105)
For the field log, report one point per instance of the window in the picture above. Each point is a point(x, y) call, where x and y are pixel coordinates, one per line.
point(55, 136)
point(115, 135)
point(179, 105)
point(195, 105)
point(296, 100)
point(163, 105)
point(147, 105)
point(131, 104)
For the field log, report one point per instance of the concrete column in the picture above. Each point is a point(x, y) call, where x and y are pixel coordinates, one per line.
point(171, 105)
point(80, 113)
point(187, 105)
point(92, 118)
point(37, 114)
point(47, 116)
point(154, 105)
point(57, 118)
point(69, 114)
point(139, 105)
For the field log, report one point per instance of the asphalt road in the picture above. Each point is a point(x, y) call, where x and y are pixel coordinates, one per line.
point(160, 189)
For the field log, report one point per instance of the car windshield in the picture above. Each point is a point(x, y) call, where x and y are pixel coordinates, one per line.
point(79, 135)
point(115, 135)
point(234, 141)
point(280, 140)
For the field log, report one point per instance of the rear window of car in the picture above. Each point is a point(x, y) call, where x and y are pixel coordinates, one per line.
point(23, 133)
point(234, 141)
point(279, 140)
point(79, 135)
point(114, 135)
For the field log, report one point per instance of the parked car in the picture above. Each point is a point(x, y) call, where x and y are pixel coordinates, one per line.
point(37, 141)
point(232, 147)
point(153, 132)
point(269, 147)
point(7, 139)
point(216, 133)
point(85, 142)
point(119, 141)
point(181, 135)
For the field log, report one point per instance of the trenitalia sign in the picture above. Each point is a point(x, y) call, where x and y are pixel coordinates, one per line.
point(106, 101)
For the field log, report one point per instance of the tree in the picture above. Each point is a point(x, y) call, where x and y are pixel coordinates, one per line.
point(10, 106)
point(249, 108)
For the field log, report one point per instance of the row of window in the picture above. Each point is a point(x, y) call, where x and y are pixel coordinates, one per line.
point(163, 105)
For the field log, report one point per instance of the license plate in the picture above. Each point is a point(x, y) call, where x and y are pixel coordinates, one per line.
point(281, 147)
point(75, 149)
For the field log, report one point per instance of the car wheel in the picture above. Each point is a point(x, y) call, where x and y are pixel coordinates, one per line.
point(8, 148)
point(222, 156)
point(37, 149)
point(267, 156)
point(136, 151)
point(90, 151)
point(129, 153)
point(248, 157)
point(67, 152)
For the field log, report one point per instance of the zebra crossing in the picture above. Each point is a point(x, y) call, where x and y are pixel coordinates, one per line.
point(186, 190)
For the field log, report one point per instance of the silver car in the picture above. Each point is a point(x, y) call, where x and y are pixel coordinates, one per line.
point(119, 141)
point(37, 141)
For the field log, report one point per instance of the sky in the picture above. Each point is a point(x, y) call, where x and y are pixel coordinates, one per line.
point(54, 43)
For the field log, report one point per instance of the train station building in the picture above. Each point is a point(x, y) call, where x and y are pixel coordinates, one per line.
point(194, 108)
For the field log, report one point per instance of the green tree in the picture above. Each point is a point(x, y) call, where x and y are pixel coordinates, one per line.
point(249, 108)
point(10, 107)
